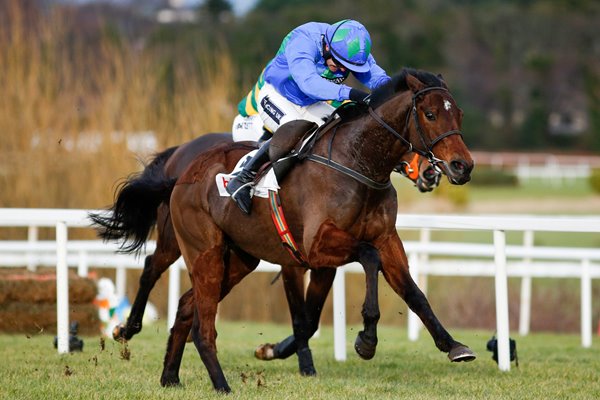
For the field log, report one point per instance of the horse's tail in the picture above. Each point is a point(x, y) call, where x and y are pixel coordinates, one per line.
point(133, 215)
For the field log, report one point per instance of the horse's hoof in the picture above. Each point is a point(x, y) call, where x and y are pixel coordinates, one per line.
point(224, 390)
point(118, 333)
point(265, 352)
point(305, 361)
point(363, 348)
point(309, 371)
point(169, 381)
point(461, 353)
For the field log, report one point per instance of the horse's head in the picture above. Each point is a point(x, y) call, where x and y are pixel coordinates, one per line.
point(434, 124)
point(419, 170)
point(429, 176)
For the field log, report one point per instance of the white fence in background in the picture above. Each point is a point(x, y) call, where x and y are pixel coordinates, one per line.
point(468, 259)
point(556, 169)
point(552, 172)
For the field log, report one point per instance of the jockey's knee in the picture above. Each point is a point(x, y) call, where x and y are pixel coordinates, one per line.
point(247, 128)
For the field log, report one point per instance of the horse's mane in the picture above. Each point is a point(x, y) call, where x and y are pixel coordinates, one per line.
point(384, 92)
point(398, 84)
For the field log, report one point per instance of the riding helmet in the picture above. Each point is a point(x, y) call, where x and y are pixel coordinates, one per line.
point(350, 44)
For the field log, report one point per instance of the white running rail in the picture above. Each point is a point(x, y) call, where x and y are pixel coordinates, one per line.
point(492, 259)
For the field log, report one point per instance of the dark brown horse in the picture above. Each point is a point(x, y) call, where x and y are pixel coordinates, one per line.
point(335, 217)
point(238, 262)
point(171, 163)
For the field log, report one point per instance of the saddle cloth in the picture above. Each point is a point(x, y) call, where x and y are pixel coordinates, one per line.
point(261, 189)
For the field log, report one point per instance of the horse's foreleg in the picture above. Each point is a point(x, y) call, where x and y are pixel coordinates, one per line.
point(294, 289)
point(395, 271)
point(319, 286)
point(316, 294)
point(177, 339)
point(366, 341)
point(166, 253)
point(239, 267)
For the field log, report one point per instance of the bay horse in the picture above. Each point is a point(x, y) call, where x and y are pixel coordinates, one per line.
point(335, 217)
point(234, 256)
point(134, 231)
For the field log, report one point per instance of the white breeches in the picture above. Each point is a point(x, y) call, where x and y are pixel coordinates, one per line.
point(275, 110)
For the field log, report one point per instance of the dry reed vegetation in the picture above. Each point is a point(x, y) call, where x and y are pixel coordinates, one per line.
point(61, 92)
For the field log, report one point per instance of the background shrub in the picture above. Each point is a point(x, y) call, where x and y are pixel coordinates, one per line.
point(594, 180)
point(485, 176)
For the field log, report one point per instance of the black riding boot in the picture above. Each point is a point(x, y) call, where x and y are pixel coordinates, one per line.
point(240, 187)
point(265, 136)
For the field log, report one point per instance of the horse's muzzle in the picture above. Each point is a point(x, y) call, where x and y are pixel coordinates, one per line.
point(428, 180)
point(459, 171)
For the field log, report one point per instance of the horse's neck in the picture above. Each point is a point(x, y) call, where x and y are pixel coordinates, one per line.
point(374, 151)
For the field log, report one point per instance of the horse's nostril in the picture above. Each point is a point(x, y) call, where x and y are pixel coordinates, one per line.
point(458, 166)
point(429, 174)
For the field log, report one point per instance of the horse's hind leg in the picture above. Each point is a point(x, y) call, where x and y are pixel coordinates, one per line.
point(240, 265)
point(395, 271)
point(166, 253)
point(207, 275)
point(316, 294)
point(177, 339)
point(306, 315)
point(366, 341)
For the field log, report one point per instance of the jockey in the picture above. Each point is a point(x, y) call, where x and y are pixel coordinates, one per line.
point(300, 82)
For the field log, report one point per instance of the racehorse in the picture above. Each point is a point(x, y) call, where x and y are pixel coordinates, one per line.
point(336, 218)
point(172, 162)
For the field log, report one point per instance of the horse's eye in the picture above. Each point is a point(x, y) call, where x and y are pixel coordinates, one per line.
point(429, 115)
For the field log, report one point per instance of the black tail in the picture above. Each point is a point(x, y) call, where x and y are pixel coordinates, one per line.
point(133, 215)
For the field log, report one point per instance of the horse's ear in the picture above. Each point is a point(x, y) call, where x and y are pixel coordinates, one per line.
point(413, 83)
point(442, 80)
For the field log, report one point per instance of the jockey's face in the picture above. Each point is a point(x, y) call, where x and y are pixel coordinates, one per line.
point(333, 65)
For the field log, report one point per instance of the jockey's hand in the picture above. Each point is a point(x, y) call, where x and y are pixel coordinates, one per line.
point(360, 97)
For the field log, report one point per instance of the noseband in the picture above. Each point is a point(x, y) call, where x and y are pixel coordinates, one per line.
point(428, 151)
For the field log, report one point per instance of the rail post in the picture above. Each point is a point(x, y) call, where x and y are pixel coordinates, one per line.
point(586, 304)
point(174, 289)
point(339, 315)
point(62, 289)
point(525, 306)
point(501, 281)
point(32, 238)
point(412, 318)
point(120, 281)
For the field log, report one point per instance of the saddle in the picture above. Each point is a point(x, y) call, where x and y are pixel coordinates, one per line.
point(295, 140)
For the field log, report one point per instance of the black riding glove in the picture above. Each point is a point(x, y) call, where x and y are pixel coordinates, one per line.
point(360, 97)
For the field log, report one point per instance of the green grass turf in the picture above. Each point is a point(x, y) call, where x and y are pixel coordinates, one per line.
point(551, 367)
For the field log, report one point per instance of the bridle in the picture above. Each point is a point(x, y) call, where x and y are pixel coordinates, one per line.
point(428, 148)
point(412, 171)
point(427, 153)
